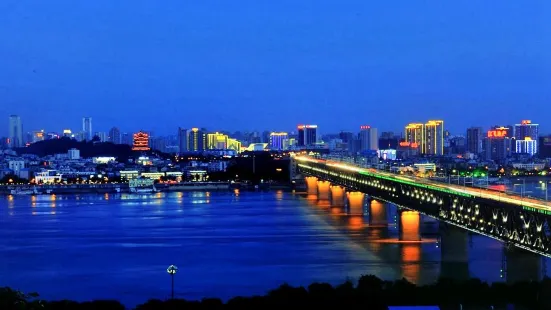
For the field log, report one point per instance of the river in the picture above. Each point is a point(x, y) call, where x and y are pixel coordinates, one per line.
point(225, 244)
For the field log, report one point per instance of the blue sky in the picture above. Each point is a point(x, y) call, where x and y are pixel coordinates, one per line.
point(157, 65)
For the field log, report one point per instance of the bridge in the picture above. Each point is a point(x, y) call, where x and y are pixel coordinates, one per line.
point(521, 223)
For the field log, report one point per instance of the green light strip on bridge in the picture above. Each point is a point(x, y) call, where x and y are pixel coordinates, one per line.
point(415, 184)
point(537, 210)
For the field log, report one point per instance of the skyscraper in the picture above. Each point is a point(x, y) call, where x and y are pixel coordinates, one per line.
point(87, 128)
point(497, 144)
point(369, 139)
point(115, 135)
point(434, 138)
point(474, 140)
point(307, 135)
point(526, 137)
point(15, 132)
point(196, 140)
point(415, 136)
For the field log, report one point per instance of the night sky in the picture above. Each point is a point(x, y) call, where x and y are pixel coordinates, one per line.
point(157, 65)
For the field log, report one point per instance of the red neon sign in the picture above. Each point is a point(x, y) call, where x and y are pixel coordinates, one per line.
point(497, 133)
point(365, 127)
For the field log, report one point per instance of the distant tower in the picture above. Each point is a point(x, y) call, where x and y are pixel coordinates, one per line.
point(15, 131)
point(196, 140)
point(115, 135)
point(87, 128)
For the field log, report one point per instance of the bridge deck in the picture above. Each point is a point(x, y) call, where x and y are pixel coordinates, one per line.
point(523, 202)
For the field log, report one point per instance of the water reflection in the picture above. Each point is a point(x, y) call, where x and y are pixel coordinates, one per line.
point(411, 256)
point(279, 195)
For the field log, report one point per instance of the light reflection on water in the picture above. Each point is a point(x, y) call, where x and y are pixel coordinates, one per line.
point(225, 243)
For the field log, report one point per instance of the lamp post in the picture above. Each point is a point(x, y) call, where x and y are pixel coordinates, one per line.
point(172, 271)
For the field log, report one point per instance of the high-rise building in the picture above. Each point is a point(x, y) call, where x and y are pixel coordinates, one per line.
point(196, 140)
point(102, 135)
point(526, 129)
point(526, 137)
point(217, 141)
point(474, 140)
point(182, 140)
point(15, 138)
point(115, 136)
point(497, 144)
point(126, 138)
point(368, 138)
point(141, 141)
point(277, 139)
point(307, 135)
point(415, 136)
point(434, 138)
point(87, 128)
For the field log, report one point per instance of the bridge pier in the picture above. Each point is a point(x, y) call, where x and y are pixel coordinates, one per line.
point(311, 187)
point(323, 190)
point(454, 249)
point(409, 225)
point(522, 265)
point(378, 213)
point(356, 201)
point(337, 195)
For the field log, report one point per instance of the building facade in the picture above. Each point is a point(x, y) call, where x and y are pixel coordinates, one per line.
point(474, 140)
point(15, 138)
point(277, 140)
point(307, 135)
point(196, 140)
point(87, 128)
point(140, 141)
point(415, 136)
point(369, 140)
point(115, 136)
point(434, 138)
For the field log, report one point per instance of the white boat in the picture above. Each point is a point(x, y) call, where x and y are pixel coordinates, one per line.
point(24, 192)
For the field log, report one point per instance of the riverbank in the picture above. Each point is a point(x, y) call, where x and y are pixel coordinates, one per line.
point(370, 292)
point(113, 188)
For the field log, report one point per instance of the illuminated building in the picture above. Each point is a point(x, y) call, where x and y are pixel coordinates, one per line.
point(277, 139)
point(307, 135)
point(15, 138)
point(196, 140)
point(526, 136)
point(526, 146)
point(234, 144)
point(497, 144)
point(434, 138)
point(141, 141)
point(38, 136)
point(67, 133)
point(115, 135)
point(87, 128)
point(474, 140)
point(415, 135)
point(368, 139)
point(526, 129)
point(217, 141)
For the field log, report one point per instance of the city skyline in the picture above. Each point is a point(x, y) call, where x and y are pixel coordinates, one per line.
point(274, 65)
point(173, 129)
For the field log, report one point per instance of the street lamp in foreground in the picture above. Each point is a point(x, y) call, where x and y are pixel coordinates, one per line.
point(172, 271)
